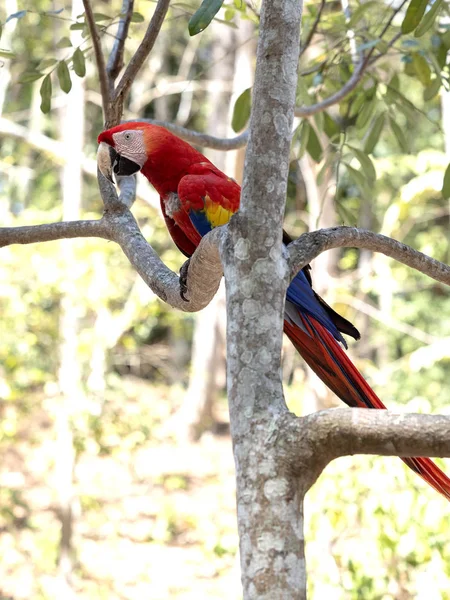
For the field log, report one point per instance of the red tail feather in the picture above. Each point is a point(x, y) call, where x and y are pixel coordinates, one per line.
point(330, 362)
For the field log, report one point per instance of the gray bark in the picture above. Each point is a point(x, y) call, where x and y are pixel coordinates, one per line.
point(269, 503)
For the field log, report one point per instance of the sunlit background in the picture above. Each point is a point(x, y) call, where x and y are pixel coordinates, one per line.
point(116, 467)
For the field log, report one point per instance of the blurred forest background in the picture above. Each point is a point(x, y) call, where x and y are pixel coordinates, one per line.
point(116, 469)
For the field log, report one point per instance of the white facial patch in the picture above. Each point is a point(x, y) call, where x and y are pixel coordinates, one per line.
point(130, 144)
point(172, 204)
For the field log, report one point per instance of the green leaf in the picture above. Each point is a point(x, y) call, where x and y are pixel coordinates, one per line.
point(366, 163)
point(422, 69)
point(17, 15)
point(46, 94)
point(431, 91)
point(79, 64)
point(358, 179)
point(305, 128)
point(241, 110)
point(346, 215)
point(446, 183)
point(64, 42)
point(203, 16)
point(400, 136)
point(429, 19)
point(359, 12)
point(320, 177)
point(414, 14)
point(47, 62)
point(314, 147)
point(62, 71)
point(319, 121)
point(367, 45)
point(227, 23)
point(330, 127)
point(366, 112)
point(29, 76)
point(137, 18)
point(98, 17)
point(6, 53)
point(374, 134)
point(77, 26)
point(357, 102)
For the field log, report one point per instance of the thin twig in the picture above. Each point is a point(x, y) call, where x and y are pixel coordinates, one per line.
point(99, 59)
point(141, 53)
point(202, 139)
point(309, 245)
point(115, 61)
point(313, 29)
point(358, 73)
point(307, 111)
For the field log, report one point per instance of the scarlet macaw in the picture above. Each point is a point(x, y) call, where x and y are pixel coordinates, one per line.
point(195, 197)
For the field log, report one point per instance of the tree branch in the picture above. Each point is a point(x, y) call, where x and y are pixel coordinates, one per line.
point(105, 84)
point(205, 269)
point(139, 57)
point(203, 139)
point(358, 73)
point(309, 245)
point(119, 225)
point(53, 231)
point(115, 61)
point(323, 436)
point(313, 29)
point(269, 505)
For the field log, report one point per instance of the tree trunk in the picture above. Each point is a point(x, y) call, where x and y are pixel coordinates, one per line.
point(269, 500)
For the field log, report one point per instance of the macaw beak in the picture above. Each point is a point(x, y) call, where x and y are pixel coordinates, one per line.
point(106, 158)
point(109, 161)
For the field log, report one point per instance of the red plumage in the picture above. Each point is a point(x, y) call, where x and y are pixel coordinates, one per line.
point(195, 197)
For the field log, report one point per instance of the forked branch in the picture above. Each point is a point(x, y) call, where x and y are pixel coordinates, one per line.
point(309, 245)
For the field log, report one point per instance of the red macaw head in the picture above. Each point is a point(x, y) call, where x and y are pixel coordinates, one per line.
point(124, 149)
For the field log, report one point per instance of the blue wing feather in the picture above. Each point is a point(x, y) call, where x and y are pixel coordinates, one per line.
point(301, 295)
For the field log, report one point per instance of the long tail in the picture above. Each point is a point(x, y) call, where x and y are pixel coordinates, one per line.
point(329, 361)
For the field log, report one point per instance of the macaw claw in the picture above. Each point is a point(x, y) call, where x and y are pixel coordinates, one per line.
point(183, 279)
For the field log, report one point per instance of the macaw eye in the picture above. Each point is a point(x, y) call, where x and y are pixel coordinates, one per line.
point(127, 136)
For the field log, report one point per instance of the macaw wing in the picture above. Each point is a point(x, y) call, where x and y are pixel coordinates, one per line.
point(208, 197)
point(181, 240)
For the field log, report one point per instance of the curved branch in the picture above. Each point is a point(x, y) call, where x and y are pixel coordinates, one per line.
point(364, 62)
point(309, 245)
point(205, 268)
point(358, 73)
point(99, 59)
point(202, 139)
point(119, 225)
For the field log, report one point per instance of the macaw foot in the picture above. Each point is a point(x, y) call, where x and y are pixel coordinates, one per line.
point(183, 279)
